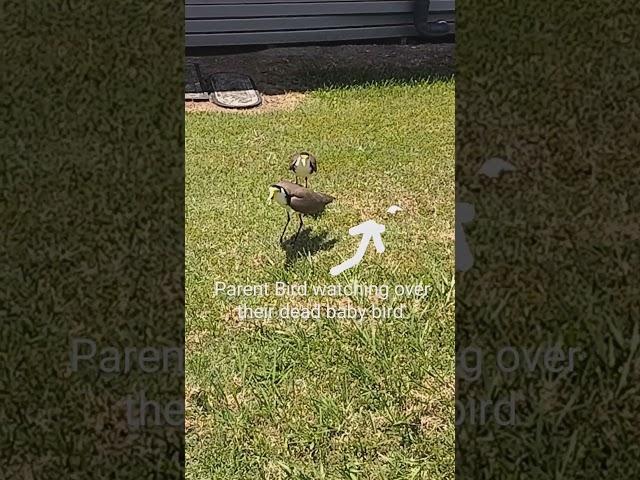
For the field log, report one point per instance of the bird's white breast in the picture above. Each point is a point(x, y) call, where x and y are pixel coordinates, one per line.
point(303, 167)
point(280, 198)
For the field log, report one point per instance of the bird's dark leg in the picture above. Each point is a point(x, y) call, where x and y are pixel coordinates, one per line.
point(285, 226)
point(299, 228)
point(305, 183)
point(297, 180)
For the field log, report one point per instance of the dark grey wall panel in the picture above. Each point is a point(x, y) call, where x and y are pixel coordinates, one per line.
point(259, 22)
point(295, 9)
point(241, 2)
point(293, 36)
point(249, 2)
point(442, 6)
point(436, 5)
point(295, 23)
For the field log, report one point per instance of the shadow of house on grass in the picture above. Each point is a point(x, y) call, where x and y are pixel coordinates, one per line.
point(308, 243)
point(302, 69)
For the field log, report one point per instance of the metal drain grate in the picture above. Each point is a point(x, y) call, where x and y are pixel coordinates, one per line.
point(234, 90)
point(194, 86)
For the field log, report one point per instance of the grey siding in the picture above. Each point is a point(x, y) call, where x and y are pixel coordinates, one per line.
point(259, 22)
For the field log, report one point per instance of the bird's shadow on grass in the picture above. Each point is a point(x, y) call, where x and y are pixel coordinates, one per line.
point(307, 243)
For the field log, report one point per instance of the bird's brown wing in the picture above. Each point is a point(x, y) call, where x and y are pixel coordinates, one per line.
point(311, 204)
point(314, 163)
point(292, 163)
point(304, 200)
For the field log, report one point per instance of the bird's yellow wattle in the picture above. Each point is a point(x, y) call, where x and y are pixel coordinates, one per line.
point(272, 192)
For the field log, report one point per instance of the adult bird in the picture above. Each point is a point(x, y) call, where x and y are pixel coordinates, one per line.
point(296, 198)
point(303, 164)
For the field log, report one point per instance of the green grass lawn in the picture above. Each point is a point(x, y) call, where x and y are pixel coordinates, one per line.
point(325, 398)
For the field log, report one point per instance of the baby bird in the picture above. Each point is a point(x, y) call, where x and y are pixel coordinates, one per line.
point(303, 164)
point(296, 198)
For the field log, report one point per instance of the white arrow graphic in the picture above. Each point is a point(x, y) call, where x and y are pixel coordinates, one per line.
point(369, 230)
